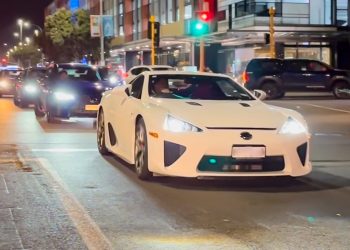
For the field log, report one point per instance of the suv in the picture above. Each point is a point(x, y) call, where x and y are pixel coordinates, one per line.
point(276, 76)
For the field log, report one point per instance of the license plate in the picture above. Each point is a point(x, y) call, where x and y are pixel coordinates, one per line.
point(91, 107)
point(248, 152)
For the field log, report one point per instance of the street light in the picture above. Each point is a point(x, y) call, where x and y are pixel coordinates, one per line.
point(22, 23)
point(16, 34)
point(5, 44)
point(28, 40)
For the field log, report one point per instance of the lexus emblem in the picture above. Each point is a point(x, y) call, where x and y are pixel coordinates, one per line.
point(246, 136)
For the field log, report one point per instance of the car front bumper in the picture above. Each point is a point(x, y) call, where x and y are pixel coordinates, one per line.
point(209, 153)
point(83, 107)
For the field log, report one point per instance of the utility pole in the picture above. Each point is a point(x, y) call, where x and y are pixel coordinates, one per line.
point(201, 55)
point(153, 53)
point(102, 59)
point(272, 13)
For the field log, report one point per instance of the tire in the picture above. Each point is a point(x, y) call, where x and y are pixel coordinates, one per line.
point(141, 151)
point(50, 118)
point(337, 90)
point(272, 90)
point(15, 101)
point(101, 135)
point(38, 110)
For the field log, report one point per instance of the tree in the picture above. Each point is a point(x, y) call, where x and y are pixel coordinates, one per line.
point(27, 55)
point(67, 36)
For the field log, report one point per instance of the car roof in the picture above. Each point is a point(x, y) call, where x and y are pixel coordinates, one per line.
point(79, 65)
point(174, 72)
point(152, 66)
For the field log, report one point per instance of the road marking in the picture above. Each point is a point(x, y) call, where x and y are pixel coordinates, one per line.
point(328, 108)
point(64, 150)
point(6, 188)
point(14, 223)
point(89, 231)
point(328, 134)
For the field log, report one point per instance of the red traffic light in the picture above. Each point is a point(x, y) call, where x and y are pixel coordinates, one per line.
point(204, 16)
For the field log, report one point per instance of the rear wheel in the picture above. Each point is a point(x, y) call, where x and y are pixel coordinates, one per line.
point(101, 135)
point(141, 151)
point(341, 90)
point(272, 90)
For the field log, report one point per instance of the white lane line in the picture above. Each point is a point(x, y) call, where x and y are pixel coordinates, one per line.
point(64, 150)
point(328, 108)
point(6, 188)
point(88, 229)
point(329, 134)
point(14, 223)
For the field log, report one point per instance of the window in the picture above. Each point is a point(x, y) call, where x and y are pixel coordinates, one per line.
point(188, 9)
point(136, 87)
point(316, 67)
point(296, 66)
point(120, 17)
point(194, 87)
point(138, 70)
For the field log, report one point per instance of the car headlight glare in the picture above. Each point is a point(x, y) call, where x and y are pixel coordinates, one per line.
point(3, 84)
point(63, 96)
point(293, 127)
point(173, 124)
point(30, 89)
point(113, 80)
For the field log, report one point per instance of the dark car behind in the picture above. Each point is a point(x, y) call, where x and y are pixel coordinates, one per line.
point(28, 85)
point(77, 95)
point(278, 76)
point(8, 80)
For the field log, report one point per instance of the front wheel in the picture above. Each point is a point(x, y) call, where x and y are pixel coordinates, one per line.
point(341, 90)
point(39, 110)
point(101, 136)
point(141, 151)
point(272, 90)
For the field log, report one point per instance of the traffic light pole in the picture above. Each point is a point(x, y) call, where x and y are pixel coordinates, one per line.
point(272, 13)
point(102, 59)
point(201, 55)
point(153, 53)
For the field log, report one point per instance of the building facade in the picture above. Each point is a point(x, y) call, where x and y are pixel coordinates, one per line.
point(72, 5)
point(313, 29)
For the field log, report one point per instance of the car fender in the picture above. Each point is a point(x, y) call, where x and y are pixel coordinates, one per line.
point(275, 79)
point(334, 79)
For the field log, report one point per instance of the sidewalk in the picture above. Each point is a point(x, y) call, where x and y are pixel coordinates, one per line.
point(31, 215)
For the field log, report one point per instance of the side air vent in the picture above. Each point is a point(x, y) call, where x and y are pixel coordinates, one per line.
point(244, 104)
point(112, 137)
point(194, 103)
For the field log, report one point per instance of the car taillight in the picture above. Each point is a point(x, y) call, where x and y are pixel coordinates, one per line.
point(245, 77)
point(125, 75)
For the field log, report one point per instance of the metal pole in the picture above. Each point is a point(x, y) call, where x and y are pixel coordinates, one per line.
point(102, 60)
point(272, 13)
point(21, 32)
point(201, 55)
point(153, 54)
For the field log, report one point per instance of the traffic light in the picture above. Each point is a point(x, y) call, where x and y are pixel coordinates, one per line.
point(267, 38)
point(156, 32)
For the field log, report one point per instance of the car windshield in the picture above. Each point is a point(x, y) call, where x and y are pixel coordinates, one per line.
point(80, 73)
point(162, 68)
point(196, 87)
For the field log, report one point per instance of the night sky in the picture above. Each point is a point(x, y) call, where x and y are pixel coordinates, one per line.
point(11, 10)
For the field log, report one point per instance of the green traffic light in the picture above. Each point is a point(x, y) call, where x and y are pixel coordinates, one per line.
point(199, 28)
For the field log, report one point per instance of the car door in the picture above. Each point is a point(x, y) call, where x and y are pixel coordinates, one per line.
point(319, 75)
point(295, 75)
point(126, 115)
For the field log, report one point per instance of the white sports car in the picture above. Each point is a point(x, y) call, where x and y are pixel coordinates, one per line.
point(200, 124)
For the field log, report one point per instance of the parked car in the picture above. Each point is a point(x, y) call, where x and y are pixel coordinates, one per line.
point(28, 85)
point(200, 124)
point(136, 70)
point(276, 77)
point(8, 79)
point(71, 90)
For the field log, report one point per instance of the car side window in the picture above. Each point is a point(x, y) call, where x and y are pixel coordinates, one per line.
point(136, 71)
point(316, 67)
point(136, 87)
point(296, 66)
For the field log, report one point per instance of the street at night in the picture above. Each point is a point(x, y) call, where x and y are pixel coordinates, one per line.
point(58, 192)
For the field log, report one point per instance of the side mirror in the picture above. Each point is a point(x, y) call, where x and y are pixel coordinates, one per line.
point(261, 95)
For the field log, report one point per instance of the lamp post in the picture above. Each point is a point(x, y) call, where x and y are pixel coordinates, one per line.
point(102, 35)
point(21, 23)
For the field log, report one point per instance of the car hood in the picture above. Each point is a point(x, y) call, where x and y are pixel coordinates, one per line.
point(223, 114)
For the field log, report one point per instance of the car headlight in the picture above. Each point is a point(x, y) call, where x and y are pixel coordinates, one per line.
point(113, 80)
point(293, 127)
point(175, 125)
point(63, 96)
point(30, 89)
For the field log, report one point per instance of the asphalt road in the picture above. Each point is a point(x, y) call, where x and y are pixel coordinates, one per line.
point(57, 192)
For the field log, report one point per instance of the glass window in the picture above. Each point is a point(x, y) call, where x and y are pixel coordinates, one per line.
point(80, 73)
point(136, 87)
point(196, 87)
point(316, 67)
point(170, 7)
point(163, 12)
point(296, 65)
point(188, 9)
